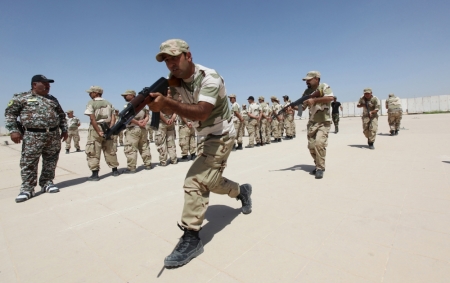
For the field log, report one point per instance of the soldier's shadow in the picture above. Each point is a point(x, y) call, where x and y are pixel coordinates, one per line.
point(446, 161)
point(69, 183)
point(358, 146)
point(381, 134)
point(219, 217)
point(303, 167)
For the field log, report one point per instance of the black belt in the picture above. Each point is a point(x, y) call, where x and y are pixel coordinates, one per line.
point(37, 130)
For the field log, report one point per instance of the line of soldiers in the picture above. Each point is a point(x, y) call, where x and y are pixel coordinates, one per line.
point(261, 121)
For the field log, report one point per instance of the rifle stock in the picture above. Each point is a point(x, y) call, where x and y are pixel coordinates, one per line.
point(135, 106)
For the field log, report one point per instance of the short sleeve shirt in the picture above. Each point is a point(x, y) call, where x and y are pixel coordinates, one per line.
point(335, 107)
point(101, 108)
point(320, 112)
point(373, 104)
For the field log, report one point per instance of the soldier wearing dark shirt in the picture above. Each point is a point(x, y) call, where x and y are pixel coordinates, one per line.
point(42, 118)
point(335, 105)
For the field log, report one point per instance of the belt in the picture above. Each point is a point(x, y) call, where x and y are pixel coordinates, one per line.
point(37, 130)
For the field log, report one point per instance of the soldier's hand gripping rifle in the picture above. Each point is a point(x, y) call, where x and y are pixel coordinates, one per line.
point(134, 107)
point(298, 102)
point(368, 113)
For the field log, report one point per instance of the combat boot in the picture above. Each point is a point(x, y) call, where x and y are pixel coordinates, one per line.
point(392, 133)
point(245, 198)
point(336, 130)
point(371, 145)
point(115, 173)
point(249, 146)
point(94, 176)
point(396, 132)
point(239, 147)
point(193, 155)
point(184, 158)
point(78, 150)
point(67, 151)
point(187, 248)
point(319, 174)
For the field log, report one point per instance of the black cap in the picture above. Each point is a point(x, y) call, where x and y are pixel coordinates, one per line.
point(41, 78)
point(285, 96)
point(250, 97)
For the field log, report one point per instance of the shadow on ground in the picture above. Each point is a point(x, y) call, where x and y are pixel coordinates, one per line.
point(219, 217)
point(446, 162)
point(304, 167)
point(358, 145)
point(381, 134)
point(73, 182)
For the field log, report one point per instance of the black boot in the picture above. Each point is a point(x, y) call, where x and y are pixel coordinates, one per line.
point(94, 176)
point(67, 151)
point(193, 156)
point(371, 145)
point(396, 132)
point(392, 133)
point(187, 248)
point(239, 147)
point(115, 173)
point(184, 158)
point(244, 197)
point(78, 150)
point(319, 174)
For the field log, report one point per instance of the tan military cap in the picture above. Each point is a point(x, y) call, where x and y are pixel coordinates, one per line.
point(274, 98)
point(95, 88)
point(172, 47)
point(391, 95)
point(261, 97)
point(69, 111)
point(232, 96)
point(367, 90)
point(312, 74)
point(129, 91)
point(244, 105)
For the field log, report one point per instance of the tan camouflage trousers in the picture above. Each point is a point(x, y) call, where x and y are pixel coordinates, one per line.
point(258, 132)
point(370, 131)
point(135, 139)
point(73, 134)
point(263, 130)
point(394, 120)
point(205, 176)
point(276, 129)
point(94, 147)
point(318, 141)
point(288, 124)
point(239, 126)
point(165, 142)
point(187, 141)
point(252, 127)
point(268, 131)
point(35, 145)
point(150, 133)
point(118, 138)
point(281, 127)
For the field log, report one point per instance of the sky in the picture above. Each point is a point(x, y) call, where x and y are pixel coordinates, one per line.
point(260, 48)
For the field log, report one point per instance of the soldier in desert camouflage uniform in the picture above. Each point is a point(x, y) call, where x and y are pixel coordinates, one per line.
point(165, 138)
point(149, 128)
point(136, 138)
point(395, 112)
point(204, 102)
point(99, 111)
point(42, 117)
point(276, 129)
point(265, 121)
point(288, 119)
point(244, 113)
point(254, 115)
point(73, 123)
point(369, 118)
point(237, 120)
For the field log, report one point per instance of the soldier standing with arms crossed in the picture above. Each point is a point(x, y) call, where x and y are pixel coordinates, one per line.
point(335, 106)
point(319, 120)
point(370, 105)
point(73, 123)
point(136, 138)
point(42, 117)
point(395, 112)
point(237, 120)
point(99, 111)
point(205, 102)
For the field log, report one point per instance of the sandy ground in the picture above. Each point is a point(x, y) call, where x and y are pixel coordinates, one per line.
point(377, 216)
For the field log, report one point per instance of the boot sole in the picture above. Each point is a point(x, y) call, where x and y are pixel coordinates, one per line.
point(172, 264)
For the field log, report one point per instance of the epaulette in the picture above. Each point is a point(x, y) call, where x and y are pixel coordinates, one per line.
point(21, 93)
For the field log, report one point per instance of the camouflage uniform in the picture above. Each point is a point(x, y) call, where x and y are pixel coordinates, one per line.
point(288, 121)
point(335, 115)
point(216, 137)
point(244, 114)
point(319, 126)
point(136, 140)
point(103, 112)
point(37, 113)
point(238, 125)
point(370, 125)
point(165, 141)
point(276, 130)
point(254, 109)
point(73, 132)
point(187, 140)
point(265, 125)
point(149, 129)
point(395, 112)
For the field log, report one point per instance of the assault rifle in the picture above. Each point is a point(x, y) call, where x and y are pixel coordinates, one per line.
point(298, 102)
point(135, 106)
point(368, 113)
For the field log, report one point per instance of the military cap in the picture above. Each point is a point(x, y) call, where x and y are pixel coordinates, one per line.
point(129, 91)
point(41, 78)
point(244, 105)
point(232, 96)
point(69, 111)
point(95, 88)
point(261, 97)
point(367, 90)
point(312, 74)
point(172, 47)
point(285, 96)
point(274, 98)
point(391, 95)
point(250, 97)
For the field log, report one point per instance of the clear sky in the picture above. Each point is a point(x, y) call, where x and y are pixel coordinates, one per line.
point(259, 47)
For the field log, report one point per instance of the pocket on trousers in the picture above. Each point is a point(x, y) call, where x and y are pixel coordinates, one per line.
point(90, 149)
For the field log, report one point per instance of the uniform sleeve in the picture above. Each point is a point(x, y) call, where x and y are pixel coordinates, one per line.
point(89, 109)
point(325, 90)
point(376, 104)
point(209, 91)
point(235, 108)
point(62, 116)
point(12, 111)
point(361, 100)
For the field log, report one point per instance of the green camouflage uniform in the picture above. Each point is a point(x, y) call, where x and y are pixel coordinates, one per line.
point(216, 137)
point(37, 112)
point(319, 126)
point(370, 125)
